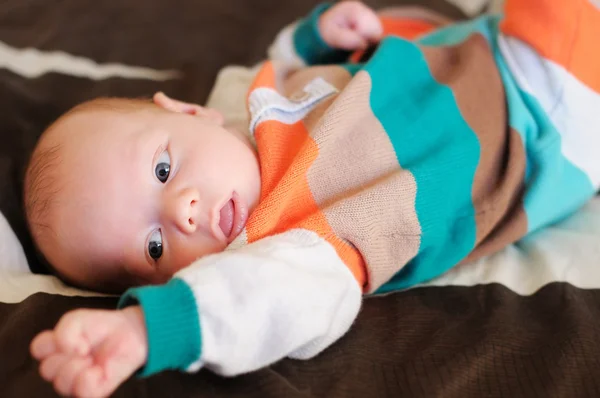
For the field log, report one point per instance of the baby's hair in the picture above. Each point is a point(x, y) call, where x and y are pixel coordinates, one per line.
point(40, 186)
point(41, 179)
point(40, 190)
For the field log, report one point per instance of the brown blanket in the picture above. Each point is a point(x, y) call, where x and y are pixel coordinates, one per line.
point(427, 342)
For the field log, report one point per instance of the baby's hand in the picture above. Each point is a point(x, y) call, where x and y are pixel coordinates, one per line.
point(91, 352)
point(350, 25)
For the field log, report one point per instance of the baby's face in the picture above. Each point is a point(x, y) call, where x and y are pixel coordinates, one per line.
point(147, 192)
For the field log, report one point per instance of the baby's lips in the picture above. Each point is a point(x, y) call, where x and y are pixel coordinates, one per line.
point(241, 215)
point(227, 218)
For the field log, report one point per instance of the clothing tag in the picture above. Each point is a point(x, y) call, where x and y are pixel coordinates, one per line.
point(268, 104)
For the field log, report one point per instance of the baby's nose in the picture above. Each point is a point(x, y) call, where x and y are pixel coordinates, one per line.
point(184, 210)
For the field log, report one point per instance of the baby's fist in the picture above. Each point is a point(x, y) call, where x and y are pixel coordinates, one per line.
point(91, 352)
point(350, 25)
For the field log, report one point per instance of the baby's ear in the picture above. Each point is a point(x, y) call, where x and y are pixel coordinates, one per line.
point(173, 105)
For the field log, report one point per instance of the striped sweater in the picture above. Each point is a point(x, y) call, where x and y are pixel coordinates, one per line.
point(377, 175)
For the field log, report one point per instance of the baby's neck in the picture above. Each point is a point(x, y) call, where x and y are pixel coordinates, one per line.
point(240, 130)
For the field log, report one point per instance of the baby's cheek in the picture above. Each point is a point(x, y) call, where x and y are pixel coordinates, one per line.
point(180, 261)
point(191, 251)
point(161, 278)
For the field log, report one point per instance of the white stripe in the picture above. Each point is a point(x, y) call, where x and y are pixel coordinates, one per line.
point(573, 108)
point(567, 252)
point(283, 48)
point(31, 63)
point(240, 241)
point(266, 103)
point(284, 295)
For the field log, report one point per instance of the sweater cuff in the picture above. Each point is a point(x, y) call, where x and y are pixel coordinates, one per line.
point(309, 43)
point(172, 325)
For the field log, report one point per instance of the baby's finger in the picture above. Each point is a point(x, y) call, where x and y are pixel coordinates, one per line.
point(369, 27)
point(350, 40)
point(94, 383)
point(69, 334)
point(50, 366)
point(43, 345)
point(68, 373)
point(363, 20)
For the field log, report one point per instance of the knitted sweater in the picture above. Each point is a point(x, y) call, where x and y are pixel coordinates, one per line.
point(383, 174)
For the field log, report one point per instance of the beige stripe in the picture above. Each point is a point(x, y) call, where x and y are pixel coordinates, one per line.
point(357, 182)
point(240, 241)
point(470, 71)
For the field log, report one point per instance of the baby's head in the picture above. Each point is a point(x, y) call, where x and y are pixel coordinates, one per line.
point(125, 192)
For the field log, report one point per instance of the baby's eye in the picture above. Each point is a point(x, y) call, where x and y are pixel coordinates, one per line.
point(163, 167)
point(155, 245)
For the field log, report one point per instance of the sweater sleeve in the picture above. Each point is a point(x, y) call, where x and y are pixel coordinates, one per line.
point(300, 43)
point(243, 309)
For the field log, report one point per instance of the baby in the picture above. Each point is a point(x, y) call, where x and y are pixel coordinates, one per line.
point(357, 172)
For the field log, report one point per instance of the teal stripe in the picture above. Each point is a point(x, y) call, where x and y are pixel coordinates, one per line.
point(172, 325)
point(487, 26)
point(449, 36)
point(555, 187)
point(433, 142)
point(309, 44)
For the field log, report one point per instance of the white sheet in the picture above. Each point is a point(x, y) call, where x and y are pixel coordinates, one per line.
point(16, 280)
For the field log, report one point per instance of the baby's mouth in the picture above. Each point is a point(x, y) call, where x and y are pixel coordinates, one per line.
point(227, 217)
point(233, 217)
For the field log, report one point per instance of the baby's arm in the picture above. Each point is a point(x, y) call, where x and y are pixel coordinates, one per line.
point(233, 312)
point(328, 35)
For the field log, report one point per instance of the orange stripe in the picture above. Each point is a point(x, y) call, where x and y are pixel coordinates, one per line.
point(406, 28)
point(286, 153)
point(264, 78)
point(565, 32)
